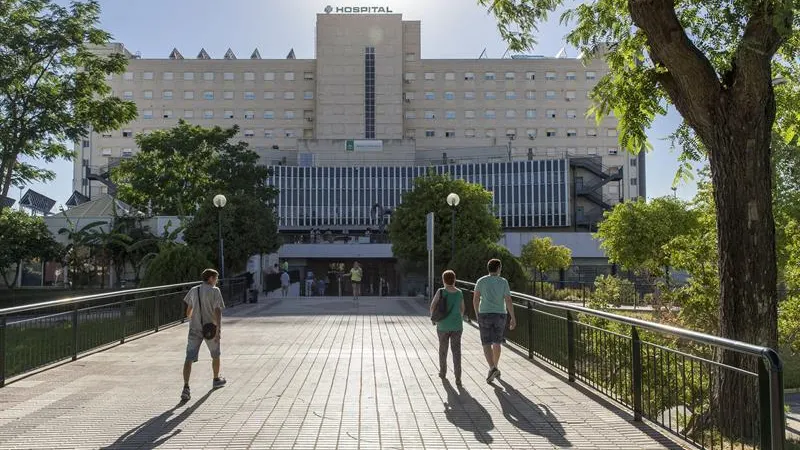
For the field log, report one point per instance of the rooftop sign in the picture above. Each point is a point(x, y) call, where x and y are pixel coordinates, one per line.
point(358, 9)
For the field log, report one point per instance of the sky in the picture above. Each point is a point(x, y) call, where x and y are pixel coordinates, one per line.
point(450, 29)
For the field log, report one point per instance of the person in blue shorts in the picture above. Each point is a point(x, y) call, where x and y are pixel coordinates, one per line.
point(492, 302)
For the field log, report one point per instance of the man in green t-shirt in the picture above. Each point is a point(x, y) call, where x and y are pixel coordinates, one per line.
point(492, 302)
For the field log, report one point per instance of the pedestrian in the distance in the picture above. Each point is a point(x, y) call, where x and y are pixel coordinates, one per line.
point(451, 326)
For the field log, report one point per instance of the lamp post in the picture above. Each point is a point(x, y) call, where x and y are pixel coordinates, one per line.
point(219, 202)
point(453, 199)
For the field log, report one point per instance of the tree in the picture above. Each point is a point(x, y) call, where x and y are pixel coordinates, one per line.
point(52, 85)
point(470, 261)
point(179, 169)
point(78, 254)
point(477, 223)
point(176, 264)
point(634, 234)
point(713, 61)
point(23, 237)
point(248, 227)
point(542, 255)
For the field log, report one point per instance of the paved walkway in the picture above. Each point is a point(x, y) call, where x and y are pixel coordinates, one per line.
point(310, 373)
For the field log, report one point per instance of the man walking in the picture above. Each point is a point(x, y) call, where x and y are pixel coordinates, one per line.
point(204, 306)
point(492, 302)
point(285, 281)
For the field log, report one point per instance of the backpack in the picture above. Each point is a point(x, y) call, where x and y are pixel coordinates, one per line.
point(441, 311)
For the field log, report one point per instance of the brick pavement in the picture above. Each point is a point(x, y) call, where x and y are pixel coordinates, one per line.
point(310, 373)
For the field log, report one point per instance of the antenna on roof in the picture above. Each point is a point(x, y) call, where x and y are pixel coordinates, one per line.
point(203, 54)
point(562, 53)
point(230, 55)
point(483, 53)
point(504, 54)
point(291, 54)
point(175, 54)
point(256, 54)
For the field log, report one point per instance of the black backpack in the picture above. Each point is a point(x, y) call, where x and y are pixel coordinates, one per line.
point(441, 311)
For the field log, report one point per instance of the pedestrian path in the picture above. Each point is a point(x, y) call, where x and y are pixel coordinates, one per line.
point(311, 373)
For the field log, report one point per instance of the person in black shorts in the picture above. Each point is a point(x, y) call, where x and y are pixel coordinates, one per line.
point(492, 302)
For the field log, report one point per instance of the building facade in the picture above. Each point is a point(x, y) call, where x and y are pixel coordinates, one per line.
point(348, 131)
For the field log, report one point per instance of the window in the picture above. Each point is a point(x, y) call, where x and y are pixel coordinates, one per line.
point(633, 162)
point(570, 76)
point(550, 95)
point(308, 95)
point(591, 150)
point(551, 132)
point(269, 95)
point(530, 76)
point(489, 76)
point(269, 115)
point(411, 115)
point(188, 76)
point(469, 96)
point(572, 132)
point(634, 181)
point(550, 76)
point(489, 133)
point(228, 76)
point(188, 95)
point(489, 95)
point(250, 95)
point(249, 133)
point(530, 114)
point(410, 76)
point(288, 76)
point(611, 132)
point(127, 152)
point(127, 76)
point(126, 133)
point(569, 96)
point(208, 76)
point(530, 95)
point(430, 133)
point(469, 114)
point(269, 76)
point(167, 95)
point(450, 133)
point(147, 114)
point(430, 96)
point(127, 95)
point(449, 96)
point(612, 151)
point(469, 76)
point(511, 133)
point(168, 76)
point(430, 76)
point(510, 75)
point(469, 132)
point(489, 114)
point(228, 114)
point(308, 76)
point(268, 134)
point(106, 151)
point(289, 133)
point(208, 95)
point(511, 95)
point(430, 115)
point(147, 95)
point(450, 115)
point(188, 114)
point(147, 76)
point(228, 95)
point(450, 76)
point(208, 114)
point(249, 76)
point(591, 132)
point(288, 114)
point(249, 115)
point(308, 133)
point(591, 75)
point(411, 56)
point(550, 114)
point(572, 114)
point(531, 134)
point(168, 114)
point(511, 113)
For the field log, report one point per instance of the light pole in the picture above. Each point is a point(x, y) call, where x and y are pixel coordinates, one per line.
point(219, 202)
point(453, 199)
point(674, 191)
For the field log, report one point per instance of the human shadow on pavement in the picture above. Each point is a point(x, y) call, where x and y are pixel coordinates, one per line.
point(157, 430)
point(528, 416)
point(463, 411)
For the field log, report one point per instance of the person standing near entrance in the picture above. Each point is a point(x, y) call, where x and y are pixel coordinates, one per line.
point(356, 274)
point(449, 329)
point(492, 302)
point(285, 283)
point(309, 283)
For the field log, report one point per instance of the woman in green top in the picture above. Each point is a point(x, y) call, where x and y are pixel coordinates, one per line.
point(450, 327)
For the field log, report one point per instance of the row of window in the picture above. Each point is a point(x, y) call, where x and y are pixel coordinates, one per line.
point(492, 95)
point(511, 133)
point(589, 75)
point(306, 133)
point(492, 114)
point(210, 95)
point(227, 114)
point(211, 76)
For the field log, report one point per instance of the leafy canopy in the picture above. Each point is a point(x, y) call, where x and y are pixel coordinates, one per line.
point(23, 237)
point(52, 86)
point(542, 255)
point(470, 261)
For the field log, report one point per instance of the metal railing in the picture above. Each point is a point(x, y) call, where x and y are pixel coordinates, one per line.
point(667, 375)
point(38, 335)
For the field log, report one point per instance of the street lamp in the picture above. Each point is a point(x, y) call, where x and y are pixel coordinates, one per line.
point(453, 199)
point(219, 202)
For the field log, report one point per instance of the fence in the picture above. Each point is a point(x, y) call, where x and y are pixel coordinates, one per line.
point(37, 335)
point(669, 376)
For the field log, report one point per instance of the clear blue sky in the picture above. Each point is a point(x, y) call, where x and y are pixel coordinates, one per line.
point(450, 29)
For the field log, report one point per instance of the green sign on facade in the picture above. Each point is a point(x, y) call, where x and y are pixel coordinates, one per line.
point(350, 145)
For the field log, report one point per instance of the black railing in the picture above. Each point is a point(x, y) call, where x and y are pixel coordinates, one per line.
point(38, 335)
point(664, 374)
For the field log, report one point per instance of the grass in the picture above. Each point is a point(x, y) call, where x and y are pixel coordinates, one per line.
point(19, 297)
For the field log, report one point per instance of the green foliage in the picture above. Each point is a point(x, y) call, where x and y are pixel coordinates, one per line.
point(179, 169)
point(542, 255)
point(470, 263)
point(23, 237)
point(178, 264)
point(610, 290)
point(475, 220)
point(248, 227)
point(45, 100)
point(634, 234)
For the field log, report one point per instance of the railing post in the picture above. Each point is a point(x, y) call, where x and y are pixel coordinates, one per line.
point(770, 399)
point(75, 332)
point(636, 373)
point(2, 351)
point(157, 312)
point(570, 346)
point(530, 330)
point(122, 321)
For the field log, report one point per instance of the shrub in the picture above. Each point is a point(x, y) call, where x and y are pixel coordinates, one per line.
point(610, 290)
point(177, 264)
